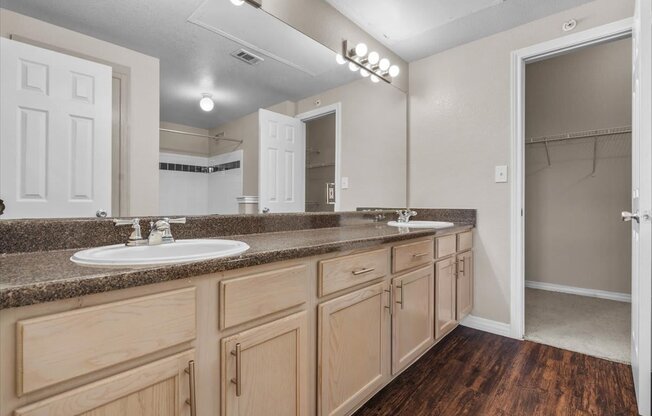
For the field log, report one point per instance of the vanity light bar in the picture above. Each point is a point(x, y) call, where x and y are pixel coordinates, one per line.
point(362, 63)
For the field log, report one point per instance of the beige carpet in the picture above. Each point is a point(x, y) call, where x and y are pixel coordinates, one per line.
point(592, 326)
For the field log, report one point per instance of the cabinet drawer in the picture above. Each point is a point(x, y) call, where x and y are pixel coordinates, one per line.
point(55, 348)
point(347, 271)
point(411, 255)
point(465, 241)
point(249, 297)
point(445, 246)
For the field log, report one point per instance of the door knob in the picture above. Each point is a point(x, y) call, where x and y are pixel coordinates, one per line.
point(628, 216)
point(100, 213)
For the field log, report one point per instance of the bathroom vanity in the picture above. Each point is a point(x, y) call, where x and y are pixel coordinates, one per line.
point(307, 322)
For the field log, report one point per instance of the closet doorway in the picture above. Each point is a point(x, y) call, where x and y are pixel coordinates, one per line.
point(323, 134)
point(578, 170)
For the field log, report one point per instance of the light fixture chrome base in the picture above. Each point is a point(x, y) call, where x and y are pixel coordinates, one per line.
point(255, 3)
point(346, 53)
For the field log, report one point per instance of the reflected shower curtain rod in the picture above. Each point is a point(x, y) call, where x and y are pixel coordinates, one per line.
point(216, 137)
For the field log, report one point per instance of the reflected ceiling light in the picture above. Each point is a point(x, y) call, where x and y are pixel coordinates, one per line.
point(394, 70)
point(353, 67)
point(373, 57)
point(375, 79)
point(340, 59)
point(255, 3)
point(384, 64)
point(206, 103)
point(364, 73)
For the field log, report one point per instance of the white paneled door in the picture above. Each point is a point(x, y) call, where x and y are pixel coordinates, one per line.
point(641, 205)
point(55, 133)
point(282, 158)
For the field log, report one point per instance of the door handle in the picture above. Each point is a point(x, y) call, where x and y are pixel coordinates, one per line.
point(628, 216)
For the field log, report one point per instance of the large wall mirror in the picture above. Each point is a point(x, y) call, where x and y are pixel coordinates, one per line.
point(196, 107)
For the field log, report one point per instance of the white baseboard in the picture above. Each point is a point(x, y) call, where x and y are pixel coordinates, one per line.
point(594, 293)
point(487, 325)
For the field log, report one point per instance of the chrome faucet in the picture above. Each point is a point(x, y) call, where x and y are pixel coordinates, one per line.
point(160, 232)
point(405, 214)
point(136, 238)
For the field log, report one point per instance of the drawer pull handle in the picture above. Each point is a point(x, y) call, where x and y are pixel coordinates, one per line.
point(418, 255)
point(363, 271)
point(238, 370)
point(389, 304)
point(192, 401)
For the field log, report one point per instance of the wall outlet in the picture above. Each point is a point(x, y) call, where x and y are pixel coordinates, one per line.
point(500, 175)
point(345, 182)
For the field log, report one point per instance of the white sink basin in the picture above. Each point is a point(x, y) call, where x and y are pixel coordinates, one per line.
point(181, 251)
point(421, 224)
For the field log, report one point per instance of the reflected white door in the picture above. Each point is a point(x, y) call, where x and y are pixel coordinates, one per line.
point(641, 204)
point(281, 163)
point(55, 133)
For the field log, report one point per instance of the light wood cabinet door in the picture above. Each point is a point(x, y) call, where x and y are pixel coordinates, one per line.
point(160, 388)
point(413, 316)
point(464, 284)
point(445, 297)
point(353, 348)
point(265, 369)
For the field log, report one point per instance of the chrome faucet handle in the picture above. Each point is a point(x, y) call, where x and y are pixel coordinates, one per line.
point(405, 214)
point(163, 226)
point(135, 238)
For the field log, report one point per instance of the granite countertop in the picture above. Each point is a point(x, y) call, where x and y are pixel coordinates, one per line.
point(44, 276)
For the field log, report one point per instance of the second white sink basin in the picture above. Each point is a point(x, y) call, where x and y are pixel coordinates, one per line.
point(421, 224)
point(181, 251)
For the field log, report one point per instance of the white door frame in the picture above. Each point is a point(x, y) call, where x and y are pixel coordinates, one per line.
point(612, 31)
point(320, 112)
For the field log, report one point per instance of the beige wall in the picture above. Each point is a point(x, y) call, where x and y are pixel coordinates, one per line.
point(460, 130)
point(574, 235)
point(183, 143)
point(246, 129)
point(143, 101)
point(322, 22)
point(373, 154)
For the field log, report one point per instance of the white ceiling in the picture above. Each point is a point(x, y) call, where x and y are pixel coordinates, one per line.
point(416, 29)
point(193, 40)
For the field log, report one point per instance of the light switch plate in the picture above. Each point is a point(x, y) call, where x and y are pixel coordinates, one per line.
point(501, 174)
point(345, 182)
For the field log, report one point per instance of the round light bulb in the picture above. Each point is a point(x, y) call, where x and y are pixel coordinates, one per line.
point(206, 103)
point(353, 67)
point(375, 79)
point(364, 73)
point(384, 64)
point(340, 59)
point(361, 49)
point(237, 2)
point(373, 58)
point(394, 71)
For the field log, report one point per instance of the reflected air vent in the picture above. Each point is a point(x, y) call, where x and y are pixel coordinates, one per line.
point(247, 57)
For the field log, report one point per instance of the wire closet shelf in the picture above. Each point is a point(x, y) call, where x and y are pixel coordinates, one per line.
point(586, 134)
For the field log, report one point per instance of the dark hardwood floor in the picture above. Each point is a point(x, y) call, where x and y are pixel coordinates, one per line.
point(472, 372)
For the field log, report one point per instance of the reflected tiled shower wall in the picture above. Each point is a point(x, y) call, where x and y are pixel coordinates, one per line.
point(195, 185)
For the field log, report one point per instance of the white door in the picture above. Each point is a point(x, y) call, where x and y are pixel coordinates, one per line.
point(641, 204)
point(55, 133)
point(281, 163)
